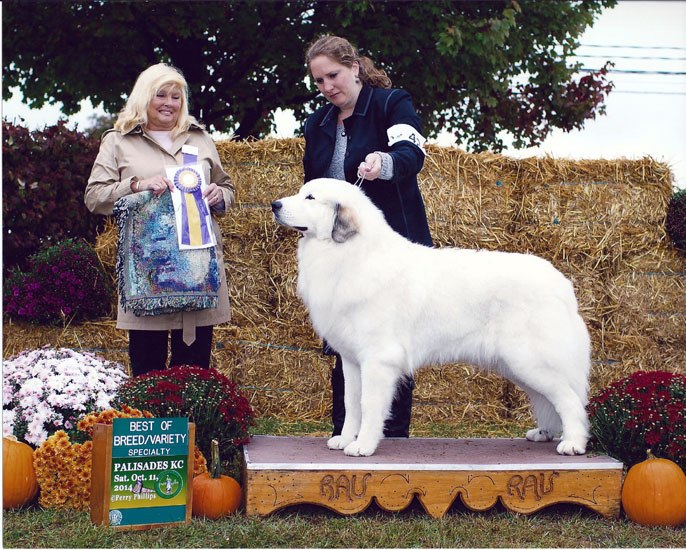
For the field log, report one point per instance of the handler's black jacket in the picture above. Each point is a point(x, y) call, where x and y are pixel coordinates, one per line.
point(376, 111)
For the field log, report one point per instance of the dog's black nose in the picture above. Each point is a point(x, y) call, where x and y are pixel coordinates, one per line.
point(276, 205)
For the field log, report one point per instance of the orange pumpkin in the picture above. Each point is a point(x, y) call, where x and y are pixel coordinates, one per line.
point(19, 484)
point(214, 495)
point(654, 492)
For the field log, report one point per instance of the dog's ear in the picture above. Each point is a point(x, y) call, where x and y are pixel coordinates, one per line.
point(344, 224)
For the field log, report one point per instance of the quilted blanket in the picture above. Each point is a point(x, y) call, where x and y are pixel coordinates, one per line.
point(154, 275)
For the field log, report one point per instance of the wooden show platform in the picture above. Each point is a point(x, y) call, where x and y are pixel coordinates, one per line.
point(525, 476)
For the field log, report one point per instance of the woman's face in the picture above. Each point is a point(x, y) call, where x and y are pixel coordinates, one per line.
point(336, 82)
point(164, 109)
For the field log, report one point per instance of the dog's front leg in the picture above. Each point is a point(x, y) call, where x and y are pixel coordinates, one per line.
point(379, 382)
point(351, 397)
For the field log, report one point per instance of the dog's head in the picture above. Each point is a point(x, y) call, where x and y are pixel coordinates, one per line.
point(324, 209)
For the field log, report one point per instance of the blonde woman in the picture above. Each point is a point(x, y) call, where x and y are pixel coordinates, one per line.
point(371, 130)
point(149, 135)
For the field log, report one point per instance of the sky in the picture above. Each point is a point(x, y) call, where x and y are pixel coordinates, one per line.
point(645, 113)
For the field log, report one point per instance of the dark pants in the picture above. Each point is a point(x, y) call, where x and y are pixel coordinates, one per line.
point(148, 349)
point(397, 425)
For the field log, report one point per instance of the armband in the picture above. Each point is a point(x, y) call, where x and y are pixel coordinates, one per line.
point(405, 132)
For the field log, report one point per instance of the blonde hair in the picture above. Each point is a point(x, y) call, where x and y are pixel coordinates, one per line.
point(343, 52)
point(149, 82)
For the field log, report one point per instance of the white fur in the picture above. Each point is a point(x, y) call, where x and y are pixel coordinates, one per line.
point(389, 307)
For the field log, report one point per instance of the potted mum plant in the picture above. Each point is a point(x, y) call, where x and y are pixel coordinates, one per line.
point(47, 389)
point(646, 410)
point(205, 396)
point(64, 282)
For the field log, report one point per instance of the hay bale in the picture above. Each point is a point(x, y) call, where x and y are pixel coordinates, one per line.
point(98, 336)
point(601, 222)
point(279, 381)
point(592, 219)
point(106, 247)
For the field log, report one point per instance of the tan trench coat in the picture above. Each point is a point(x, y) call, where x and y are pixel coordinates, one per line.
point(123, 156)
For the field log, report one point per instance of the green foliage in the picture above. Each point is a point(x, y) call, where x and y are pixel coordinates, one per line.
point(476, 68)
point(675, 224)
point(99, 124)
point(44, 174)
point(205, 396)
point(63, 282)
point(646, 410)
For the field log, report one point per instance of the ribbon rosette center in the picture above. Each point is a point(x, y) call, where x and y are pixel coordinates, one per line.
point(187, 180)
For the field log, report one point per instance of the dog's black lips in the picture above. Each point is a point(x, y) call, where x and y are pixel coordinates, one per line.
point(296, 227)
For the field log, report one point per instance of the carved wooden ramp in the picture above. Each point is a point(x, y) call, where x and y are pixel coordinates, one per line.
point(525, 476)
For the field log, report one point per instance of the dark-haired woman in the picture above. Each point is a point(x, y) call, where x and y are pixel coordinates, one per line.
point(372, 130)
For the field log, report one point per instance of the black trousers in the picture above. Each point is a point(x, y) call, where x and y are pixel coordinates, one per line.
point(397, 425)
point(148, 349)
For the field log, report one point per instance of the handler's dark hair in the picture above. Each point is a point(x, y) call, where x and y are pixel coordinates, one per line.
point(343, 52)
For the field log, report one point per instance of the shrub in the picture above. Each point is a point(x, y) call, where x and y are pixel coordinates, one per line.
point(647, 410)
point(205, 396)
point(47, 389)
point(675, 224)
point(44, 174)
point(64, 281)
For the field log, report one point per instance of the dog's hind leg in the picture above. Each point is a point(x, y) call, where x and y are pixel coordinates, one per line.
point(351, 395)
point(379, 383)
point(574, 423)
point(547, 419)
point(572, 413)
point(565, 401)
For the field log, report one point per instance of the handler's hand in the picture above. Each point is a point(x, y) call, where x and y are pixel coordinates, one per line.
point(157, 184)
point(371, 167)
point(213, 194)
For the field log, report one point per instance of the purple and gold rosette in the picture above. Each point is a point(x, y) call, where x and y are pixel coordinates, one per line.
point(194, 214)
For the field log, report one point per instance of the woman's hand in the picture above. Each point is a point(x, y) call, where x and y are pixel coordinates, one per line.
point(157, 184)
point(370, 169)
point(213, 194)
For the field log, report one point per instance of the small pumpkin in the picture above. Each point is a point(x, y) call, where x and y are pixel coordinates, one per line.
point(654, 492)
point(215, 495)
point(19, 485)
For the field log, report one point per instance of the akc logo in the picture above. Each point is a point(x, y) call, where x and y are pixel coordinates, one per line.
point(115, 517)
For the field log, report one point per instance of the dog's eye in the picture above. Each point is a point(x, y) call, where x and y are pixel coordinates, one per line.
point(309, 198)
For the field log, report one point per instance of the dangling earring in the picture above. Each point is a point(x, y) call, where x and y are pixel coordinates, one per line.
point(357, 80)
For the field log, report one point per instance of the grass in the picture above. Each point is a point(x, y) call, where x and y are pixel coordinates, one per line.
point(562, 526)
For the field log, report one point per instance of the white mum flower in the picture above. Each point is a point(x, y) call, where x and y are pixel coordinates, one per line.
point(48, 387)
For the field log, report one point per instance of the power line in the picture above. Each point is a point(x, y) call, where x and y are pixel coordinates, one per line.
point(633, 47)
point(628, 71)
point(631, 57)
point(645, 92)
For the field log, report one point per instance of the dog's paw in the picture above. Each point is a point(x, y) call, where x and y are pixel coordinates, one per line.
point(338, 442)
point(567, 447)
point(334, 443)
point(538, 435)
point(359, 449)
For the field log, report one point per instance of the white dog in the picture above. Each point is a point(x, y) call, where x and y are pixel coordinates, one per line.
point(389, 306)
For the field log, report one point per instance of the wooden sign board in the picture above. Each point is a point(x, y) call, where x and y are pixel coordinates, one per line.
point(142, 472)
point(524, 476)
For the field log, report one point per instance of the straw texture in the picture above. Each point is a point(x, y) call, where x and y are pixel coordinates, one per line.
point(600, 222)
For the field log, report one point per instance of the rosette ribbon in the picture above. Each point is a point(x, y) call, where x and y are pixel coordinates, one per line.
point(194, 213)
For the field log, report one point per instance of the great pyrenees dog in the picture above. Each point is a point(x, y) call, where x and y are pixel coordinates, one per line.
point(389, 306)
